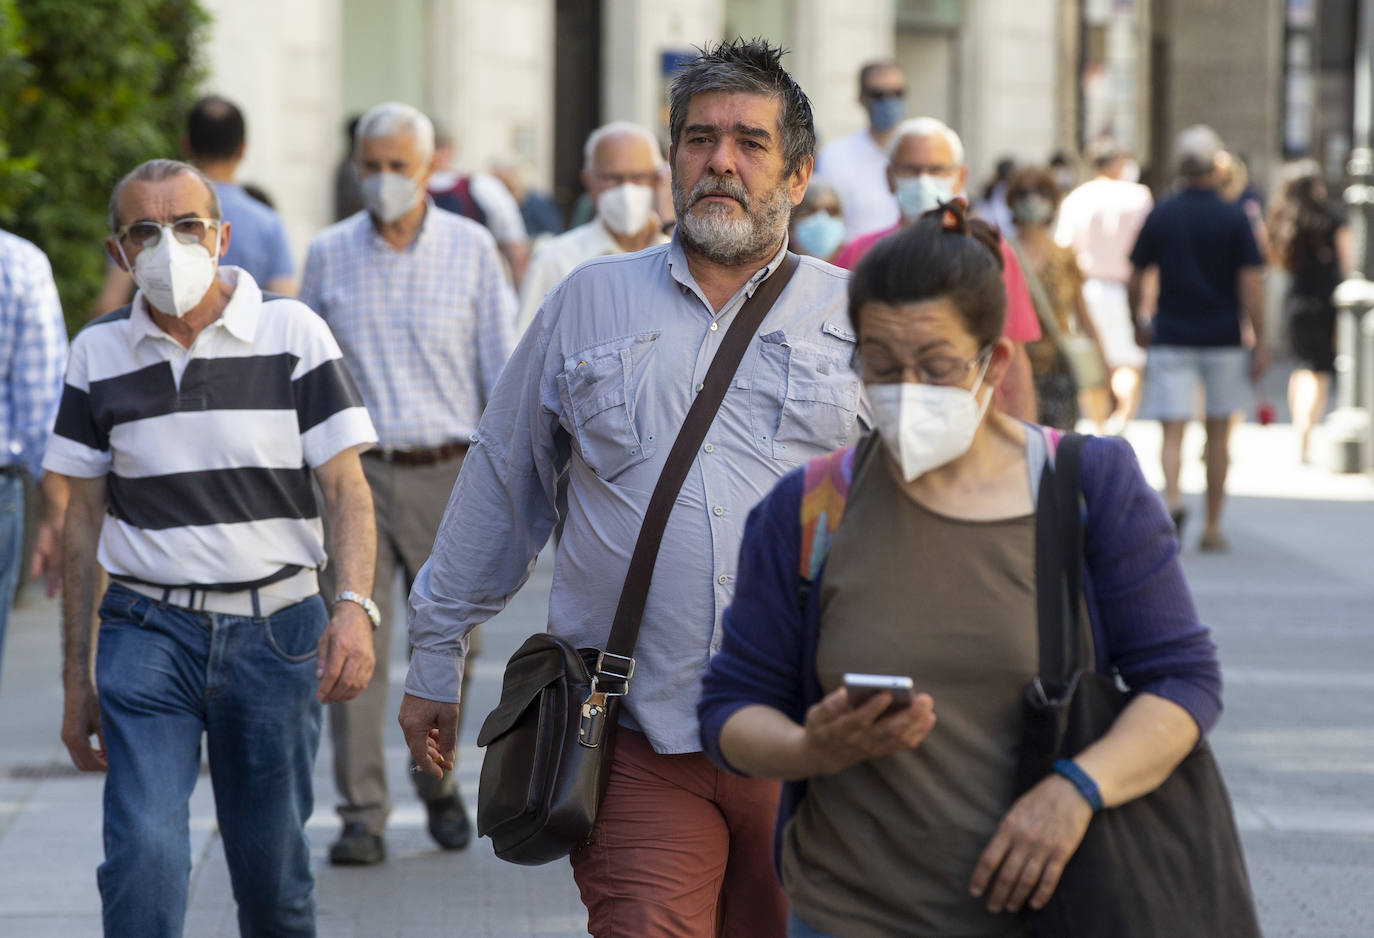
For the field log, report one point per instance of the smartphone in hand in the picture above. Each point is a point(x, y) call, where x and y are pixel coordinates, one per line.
point(860, 688)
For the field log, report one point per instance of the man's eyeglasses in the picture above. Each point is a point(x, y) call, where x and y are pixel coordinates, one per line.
point(616, 180)
point(933, 369)
point(909, 170)
point(147, 234)
point(877, 94)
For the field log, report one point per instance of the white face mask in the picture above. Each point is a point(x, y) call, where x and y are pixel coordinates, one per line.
point(917, 195)
point(174, 277)
point(926, 426)
point(388, 196)
point(626, 208)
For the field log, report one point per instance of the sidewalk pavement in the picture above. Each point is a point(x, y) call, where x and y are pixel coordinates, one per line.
point(1290, 606)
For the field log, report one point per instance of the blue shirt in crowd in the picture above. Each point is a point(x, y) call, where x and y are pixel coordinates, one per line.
point(1200, 245)
point(598, 388)
point(33, 354)
point(257, 239)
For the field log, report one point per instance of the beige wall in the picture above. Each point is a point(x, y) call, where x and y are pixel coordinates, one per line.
point(634, 36)
point(280, 63)
point(832, 41)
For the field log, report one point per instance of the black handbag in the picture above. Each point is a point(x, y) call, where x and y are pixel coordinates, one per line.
point(1166, 864)
point(551, 739)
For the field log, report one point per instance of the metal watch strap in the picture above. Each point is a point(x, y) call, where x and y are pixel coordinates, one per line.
point(374, 614)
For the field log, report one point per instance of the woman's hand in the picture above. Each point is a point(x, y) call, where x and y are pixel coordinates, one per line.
point(1032, 845)
point(838, 736)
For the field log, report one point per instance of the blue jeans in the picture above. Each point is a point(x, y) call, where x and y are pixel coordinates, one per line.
point(11, 546)
point(165, 675)
point(796, 928)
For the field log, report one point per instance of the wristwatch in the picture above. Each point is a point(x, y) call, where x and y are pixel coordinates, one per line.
point(368, 605)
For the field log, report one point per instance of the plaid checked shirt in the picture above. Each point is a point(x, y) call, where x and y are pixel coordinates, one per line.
point(33, 352)
point(425, 330)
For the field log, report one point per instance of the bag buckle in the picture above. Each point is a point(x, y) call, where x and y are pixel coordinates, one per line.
point(601, 668)
point(591, 727)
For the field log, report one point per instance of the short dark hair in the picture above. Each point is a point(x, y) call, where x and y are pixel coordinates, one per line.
point(945, 254)
point(751, 66)
point(877, 65)
point(215, 128)
point(1032, 179)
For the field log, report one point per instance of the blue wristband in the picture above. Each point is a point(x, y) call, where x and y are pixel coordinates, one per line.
point(1082, 781)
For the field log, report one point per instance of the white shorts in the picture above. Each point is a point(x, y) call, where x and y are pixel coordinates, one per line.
point(1173, 373)
point(1110, 311)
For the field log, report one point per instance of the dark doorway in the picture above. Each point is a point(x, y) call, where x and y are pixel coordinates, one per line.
point(576, 93)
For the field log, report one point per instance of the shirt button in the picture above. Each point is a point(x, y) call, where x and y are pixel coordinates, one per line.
point(722, 579)
point(715, 326)
point(717, 511)
point(699, 387)
point(710, 447)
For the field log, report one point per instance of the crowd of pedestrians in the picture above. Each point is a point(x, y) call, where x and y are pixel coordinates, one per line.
point(253, 471)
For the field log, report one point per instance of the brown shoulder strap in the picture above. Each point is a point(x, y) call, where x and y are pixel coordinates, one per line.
point(617, 662)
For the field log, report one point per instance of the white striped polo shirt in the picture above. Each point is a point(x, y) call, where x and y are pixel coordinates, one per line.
point(208, 450)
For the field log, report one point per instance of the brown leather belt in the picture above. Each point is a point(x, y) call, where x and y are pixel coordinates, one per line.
point(418, 457)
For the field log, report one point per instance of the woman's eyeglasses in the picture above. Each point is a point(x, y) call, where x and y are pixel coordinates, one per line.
point(933, 369)
point(147, 234)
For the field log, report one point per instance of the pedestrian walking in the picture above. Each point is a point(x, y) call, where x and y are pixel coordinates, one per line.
point(598, 389)
point(621, 167)
point(1312, 241)
point(191, 425)
point(817, 224)
point(854, 164)
point(926, 168)
point(482, 198)
point(417, 299)
point(1099, 221)
point(1211, 280)
point(33, 353)
point(908, 823)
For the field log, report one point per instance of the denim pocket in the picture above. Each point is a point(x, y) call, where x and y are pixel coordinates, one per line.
point(804, 396)
point(294, 633)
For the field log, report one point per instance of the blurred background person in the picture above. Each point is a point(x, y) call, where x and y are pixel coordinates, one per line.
point(216, 139)
point(1062, 169)
point(537, 209)
point(993, 205)
point(817, 224)
point(1031, 199)
point(854, 164)
point(481, 197)
point(926, 168)
point(348, 195)
point(1099, 221)
point(1313, 243)
point(621, 170)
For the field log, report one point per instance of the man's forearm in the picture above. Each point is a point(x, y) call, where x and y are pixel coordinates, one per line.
point(1252, 301)
point(78, 595)
point(352, 535)
point(53, 488)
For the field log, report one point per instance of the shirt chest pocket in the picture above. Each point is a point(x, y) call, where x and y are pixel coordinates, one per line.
point(598, 392)
point(803, 396)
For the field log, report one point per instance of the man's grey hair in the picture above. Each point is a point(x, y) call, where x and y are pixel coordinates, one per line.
point(616, 129)
point(750, 66)
point(1196, 150)
point(926, 127)
point(394, 119)
point(160, 171)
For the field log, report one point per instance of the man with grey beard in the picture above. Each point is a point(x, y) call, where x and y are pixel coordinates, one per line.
point(598, 388)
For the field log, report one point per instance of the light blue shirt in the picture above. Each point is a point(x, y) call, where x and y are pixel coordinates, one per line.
point(257, 237)
point(425, 330)
point(599, 386)
point(33, 353)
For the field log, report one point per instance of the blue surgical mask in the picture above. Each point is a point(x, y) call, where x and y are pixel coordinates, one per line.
point(917, 195)
point(884, 113)
point(819, 234)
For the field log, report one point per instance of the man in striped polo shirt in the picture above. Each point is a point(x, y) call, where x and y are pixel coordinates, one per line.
point(190, 426)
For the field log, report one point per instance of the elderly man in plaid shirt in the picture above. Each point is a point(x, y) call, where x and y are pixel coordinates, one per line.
point(419, 303)
point(33, 355)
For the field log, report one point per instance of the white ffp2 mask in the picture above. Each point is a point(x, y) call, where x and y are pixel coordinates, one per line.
point(926, 426)
point(626, 208)
point(388, 196)
point(174, 277)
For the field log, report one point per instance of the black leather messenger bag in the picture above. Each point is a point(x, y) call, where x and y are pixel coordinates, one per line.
point(550, 739)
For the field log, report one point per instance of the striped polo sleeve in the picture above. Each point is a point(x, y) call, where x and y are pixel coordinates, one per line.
point(79, 445)
point(329, 407)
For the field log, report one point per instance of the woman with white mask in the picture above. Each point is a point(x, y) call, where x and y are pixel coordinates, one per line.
point(894, 822)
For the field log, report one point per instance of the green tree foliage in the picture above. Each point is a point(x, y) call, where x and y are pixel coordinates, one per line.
point(88, 90)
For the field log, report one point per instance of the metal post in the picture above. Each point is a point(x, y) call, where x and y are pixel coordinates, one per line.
point(1349, 425)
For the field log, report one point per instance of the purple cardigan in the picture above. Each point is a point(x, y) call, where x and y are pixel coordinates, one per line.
point(1143, 620)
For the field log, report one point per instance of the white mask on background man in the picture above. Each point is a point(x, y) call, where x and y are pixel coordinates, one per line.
point(388, 196)
point(926, 426)
point(917, 195)
point(626, 208)
point(174, 277)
